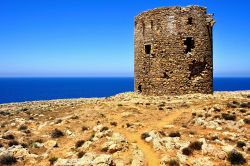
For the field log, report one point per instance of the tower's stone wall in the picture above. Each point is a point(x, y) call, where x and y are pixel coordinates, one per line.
point(174, 51)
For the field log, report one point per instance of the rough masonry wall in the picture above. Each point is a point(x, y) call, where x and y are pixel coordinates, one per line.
point(173, 51)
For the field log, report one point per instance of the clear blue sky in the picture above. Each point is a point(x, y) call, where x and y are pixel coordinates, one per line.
point(95, 37)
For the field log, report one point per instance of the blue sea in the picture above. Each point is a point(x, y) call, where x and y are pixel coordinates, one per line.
point(29, 89)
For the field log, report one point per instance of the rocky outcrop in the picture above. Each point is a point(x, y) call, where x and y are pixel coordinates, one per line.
point(128, 129)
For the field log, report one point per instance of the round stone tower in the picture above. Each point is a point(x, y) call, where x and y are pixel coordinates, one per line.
point(174, 51)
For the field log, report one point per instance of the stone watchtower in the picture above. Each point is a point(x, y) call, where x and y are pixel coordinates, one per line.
point(174, 51)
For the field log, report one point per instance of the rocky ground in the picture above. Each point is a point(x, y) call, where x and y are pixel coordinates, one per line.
point(128, 129)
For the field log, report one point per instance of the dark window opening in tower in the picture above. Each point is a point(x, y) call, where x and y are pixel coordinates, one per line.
point(148, 49)
point(190, 21)
point(139, 88)
point(196, 68)
point(152, 24)
point(165, 75)
point(189, 42)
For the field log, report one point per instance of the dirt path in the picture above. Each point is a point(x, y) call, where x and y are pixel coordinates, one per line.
point(151, 157)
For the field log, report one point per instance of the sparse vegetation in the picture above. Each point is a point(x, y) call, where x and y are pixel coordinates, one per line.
point(13, 143)
point(162, 130)
point(113, 123)
point(161, 108)
point(192, 132)
point(31, 118)
point(119, 105)
point(4, 113)
point(58, 121)
point(173, 162)
point(23, 128)
point(184, 126)
point(197, 145)
point(228, 116)
point(214, 137)
point(233, 104)
point(39, 140)
point(174, 134)
point(207, 115)
point(75, 117)
point(241, 144)
point(144, 135)
point(227, 138)
point(91, 137)
point(24, 145)
point(52, 160)
point(245, 105)
point(247, 121)
point(216, 109)
point(80, 154)
point(104, 128)
point(216, 116)
point(27, 131)
point(236, 102)
point(57, 133)
point(7, 160)
point(187, 151)
point(128, 125)
point(24, 109)
point(235, 157)
point(8, 137)
point(84, 128)
point(162, 133)
point(79, 143)
point(105, 149)
point(162, 105)
point(243, 110)
point(102, 116)
point(200, 115)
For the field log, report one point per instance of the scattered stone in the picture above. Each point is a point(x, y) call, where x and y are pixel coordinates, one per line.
point(144, 135)
point(50, 144)
point(148, 139)
point(103, 159)
point(202, 161)
point(116, 142)
point(126, 114)
point(138, 156)
point(227, 148)
point(168, 126)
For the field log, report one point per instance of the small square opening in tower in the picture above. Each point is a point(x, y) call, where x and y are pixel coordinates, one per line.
point(190, 20)
point(148, 49)
point(189, 42)
point(139, 88)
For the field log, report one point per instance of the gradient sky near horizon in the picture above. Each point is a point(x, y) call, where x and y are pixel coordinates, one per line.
point(61, 38)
